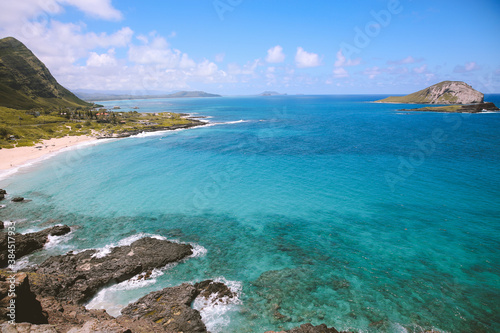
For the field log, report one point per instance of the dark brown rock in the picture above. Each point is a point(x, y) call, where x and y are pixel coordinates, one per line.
point(2, 194)
point(169, 307)
point(17, 199)
point(75, 278)
point(308, 328)
point(28, 243)
point(15, 293)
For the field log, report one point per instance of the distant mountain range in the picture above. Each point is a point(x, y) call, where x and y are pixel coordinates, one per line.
point(95, 96)
point(26, 83)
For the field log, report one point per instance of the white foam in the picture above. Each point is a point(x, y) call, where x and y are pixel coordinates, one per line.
point(2, 206)
point(214, 311)
point(55, 240)
point(20, 264)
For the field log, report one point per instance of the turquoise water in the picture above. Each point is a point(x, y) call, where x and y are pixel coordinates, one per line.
point(321, 209)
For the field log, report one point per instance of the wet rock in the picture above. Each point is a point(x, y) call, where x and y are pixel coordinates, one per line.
point(16, 294)
point(2, 225)
point(75, 278)
point(17, 199)
point(308, 328)
point(2, 194)
point(169, 307)
point(215, 291)
point(27, 243)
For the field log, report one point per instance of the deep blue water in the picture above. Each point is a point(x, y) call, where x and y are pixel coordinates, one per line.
point(321, 209)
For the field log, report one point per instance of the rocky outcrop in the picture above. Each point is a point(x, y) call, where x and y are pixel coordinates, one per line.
point(308, 328)
point(2, 194)
point(469, 108)
point(28, 243)
point(171, 307)
point(17, 199)
point(75, 278)
point(446, 92)
point(17, 302)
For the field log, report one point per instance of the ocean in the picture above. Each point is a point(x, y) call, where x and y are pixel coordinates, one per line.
point(320, 209)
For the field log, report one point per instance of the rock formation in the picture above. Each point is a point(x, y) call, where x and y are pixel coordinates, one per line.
point(77, 277)
point(28, 243)
point(446, 92)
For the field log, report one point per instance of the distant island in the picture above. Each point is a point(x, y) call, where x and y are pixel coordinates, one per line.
point(459, 96)
point(271, 93)
point(110, 96)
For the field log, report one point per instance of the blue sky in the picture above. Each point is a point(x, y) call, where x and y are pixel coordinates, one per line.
point(247, 46)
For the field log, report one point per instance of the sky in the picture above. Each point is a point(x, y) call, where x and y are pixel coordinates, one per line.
point(242, 47)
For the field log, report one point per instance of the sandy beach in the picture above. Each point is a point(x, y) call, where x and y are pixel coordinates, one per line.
point(11, 158)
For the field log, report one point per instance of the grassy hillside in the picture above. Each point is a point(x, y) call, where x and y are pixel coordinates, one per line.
point(26, 83)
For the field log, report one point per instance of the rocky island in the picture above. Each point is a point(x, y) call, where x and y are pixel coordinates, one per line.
point(456, 96)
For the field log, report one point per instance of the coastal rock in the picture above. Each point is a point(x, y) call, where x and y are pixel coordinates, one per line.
point(446, 92)
point(27, 328)
point(15, 289)
point(308, 328)
point(75, 278)
point(28, 243)
point(169, 307)
point(2, 194)
point(17, 199)
point(2, 225)
point(469, 108)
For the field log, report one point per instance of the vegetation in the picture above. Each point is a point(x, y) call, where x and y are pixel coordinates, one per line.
point(27, 128)
point(26, 83)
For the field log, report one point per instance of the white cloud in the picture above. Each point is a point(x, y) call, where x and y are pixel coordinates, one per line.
point(275, 55)
point(97, 8)
point(339, 72)
point(468, 67)
point(372, 72)
point(102, 60)
point(405, 61)
point(305, 59)
point(421, 69)
point(341, 60)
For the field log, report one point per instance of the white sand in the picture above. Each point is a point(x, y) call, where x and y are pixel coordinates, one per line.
point(15, 157)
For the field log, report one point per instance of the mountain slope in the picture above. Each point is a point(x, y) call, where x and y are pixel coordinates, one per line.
point(446, 92)
point(26, 83)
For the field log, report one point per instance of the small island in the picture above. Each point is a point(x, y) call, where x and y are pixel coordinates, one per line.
point(456, 96)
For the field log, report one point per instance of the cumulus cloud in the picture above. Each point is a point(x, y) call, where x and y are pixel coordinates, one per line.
point(342, 61)
point(97, 8)
point(421, 69)
point(405, 61)
point(372, 72)
point(468, 67)
point(340, 72)
point(275, 55)
point(102, 60)
point(305, 59)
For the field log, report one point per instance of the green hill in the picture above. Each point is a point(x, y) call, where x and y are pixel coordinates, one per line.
point(446, 92)
point(26, 83)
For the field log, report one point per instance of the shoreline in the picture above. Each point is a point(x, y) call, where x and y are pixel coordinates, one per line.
point(17, 157)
